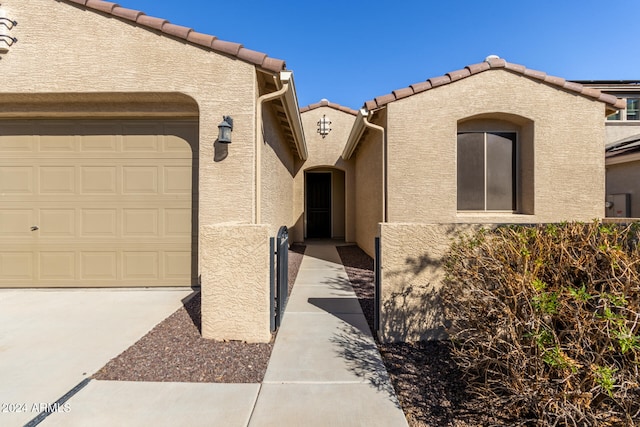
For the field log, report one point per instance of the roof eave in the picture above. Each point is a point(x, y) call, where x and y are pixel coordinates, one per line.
point(291, 108)
point(357, 130)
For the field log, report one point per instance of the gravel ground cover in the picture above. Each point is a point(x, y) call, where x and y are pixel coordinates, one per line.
point(174, 351)
point(431, 389)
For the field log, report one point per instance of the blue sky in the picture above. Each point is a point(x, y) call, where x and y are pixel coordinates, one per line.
point(352, 51)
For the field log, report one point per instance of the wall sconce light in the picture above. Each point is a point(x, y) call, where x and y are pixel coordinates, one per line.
point(224, 130)
point(323, 126)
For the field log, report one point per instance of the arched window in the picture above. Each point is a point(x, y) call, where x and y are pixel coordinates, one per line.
point(495, 158)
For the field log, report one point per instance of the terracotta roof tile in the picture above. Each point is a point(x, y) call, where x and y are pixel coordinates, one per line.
point(151, 22)
point(557, 81)
point(459, 74)
point(201, 39)
point(227, 47)
point(211, 42)
point(252, 56)
point(403, 93)
point(176, 30)
point(439, 81)
point(492, 63)
point(370, 105)
point(496, 62)
point(478, 68)
point(515, 67)
point(540, 75)
point(326, 103)
point(421, 86)
point(385, 99)
point(130, 14)
point(104, 6)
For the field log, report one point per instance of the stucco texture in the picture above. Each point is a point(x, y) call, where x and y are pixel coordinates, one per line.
point(412, 274)
point(277, 163)
point(235, 282)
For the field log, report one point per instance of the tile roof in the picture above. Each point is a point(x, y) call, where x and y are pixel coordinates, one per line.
point(203, 40)
point(493, 63)
point(326, 103)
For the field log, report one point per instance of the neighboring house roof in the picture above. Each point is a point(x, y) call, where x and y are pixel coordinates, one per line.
point(203, 40)
point(623, 147)
point(326, 103)
point(492, 63)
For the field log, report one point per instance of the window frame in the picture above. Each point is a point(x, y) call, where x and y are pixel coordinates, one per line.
point(516, 170)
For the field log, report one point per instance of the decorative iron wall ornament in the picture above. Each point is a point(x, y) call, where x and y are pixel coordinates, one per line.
point(323, 126)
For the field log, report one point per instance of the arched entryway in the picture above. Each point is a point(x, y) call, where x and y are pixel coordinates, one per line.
point(324, 203)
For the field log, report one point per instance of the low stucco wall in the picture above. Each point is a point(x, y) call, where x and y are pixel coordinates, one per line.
point(235, 282)
point(411, 279)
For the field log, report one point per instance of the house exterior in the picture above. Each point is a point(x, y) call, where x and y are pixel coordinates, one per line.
point(114, 171)
point(492, 143)
point(622, 133)
point(111, 173)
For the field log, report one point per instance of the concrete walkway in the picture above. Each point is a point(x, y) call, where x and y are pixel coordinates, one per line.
point(325, 369)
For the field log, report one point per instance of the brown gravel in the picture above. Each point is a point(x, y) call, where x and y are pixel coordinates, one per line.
point(174, 350)
point(430, 388)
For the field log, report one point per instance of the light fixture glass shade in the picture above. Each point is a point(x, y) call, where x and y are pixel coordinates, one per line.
point(224, 130)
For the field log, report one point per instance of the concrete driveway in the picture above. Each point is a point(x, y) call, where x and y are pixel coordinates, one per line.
point(52, 340)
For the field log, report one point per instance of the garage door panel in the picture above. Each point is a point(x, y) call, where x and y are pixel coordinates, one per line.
point(98, 180)
point(11, 142)
point(55, 140)
point(57, 180)
point(177, 265)
point(16, 265)
point(16, 180)
point(140, 265)
point(177, 179)
point(112, 200)
point(140, 222)
point(16, 222)
point(99, 223)
point(57, 266)
point(99, 265)
point(140, 180)
point(57, 223)
point(100, 142)
point(177, 222)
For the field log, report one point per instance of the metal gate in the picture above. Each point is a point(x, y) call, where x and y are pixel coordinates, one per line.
point(279, 275)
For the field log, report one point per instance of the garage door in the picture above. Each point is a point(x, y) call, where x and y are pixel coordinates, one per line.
point(88, 203)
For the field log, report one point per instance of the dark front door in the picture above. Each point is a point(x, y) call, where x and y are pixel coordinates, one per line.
point(319, 205)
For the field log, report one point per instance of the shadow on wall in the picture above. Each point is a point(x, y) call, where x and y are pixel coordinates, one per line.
point(411, 307)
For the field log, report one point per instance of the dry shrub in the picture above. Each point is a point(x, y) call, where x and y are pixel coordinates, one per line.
point(545, 321)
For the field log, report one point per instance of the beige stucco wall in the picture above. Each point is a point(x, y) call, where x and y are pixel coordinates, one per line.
point(326, 154)
point(368, 167)
point(568, 164)
point(625, 178)
point(235, 302)
point(277, 175)
point(412, 274)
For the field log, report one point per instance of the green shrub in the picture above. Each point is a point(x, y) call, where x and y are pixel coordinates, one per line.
point(545, 321)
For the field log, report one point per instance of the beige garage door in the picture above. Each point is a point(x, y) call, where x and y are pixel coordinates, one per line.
point(97, 203)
